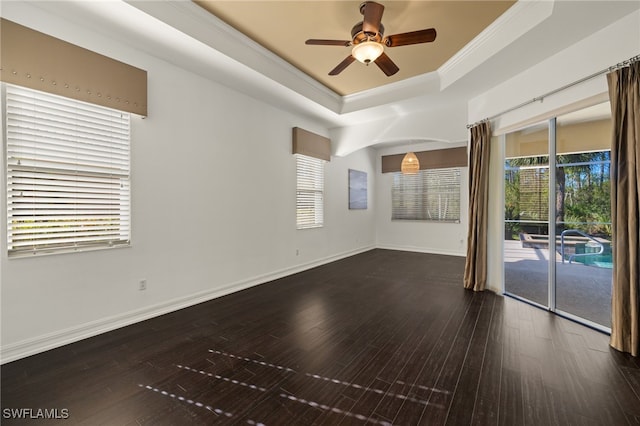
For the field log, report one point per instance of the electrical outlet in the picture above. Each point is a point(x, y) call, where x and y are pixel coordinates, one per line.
point(297, 252)
point(142, 285)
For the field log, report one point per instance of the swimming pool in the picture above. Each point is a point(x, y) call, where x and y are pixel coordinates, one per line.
point(599, 260)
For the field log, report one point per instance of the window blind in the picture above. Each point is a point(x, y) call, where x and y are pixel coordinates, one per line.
point(534, 193)
point(68, 181)
point(428, 195)
point(310, 192)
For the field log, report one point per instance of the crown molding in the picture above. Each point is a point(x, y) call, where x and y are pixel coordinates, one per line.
point(196, 22)
point(510, 26)
point(191, 19)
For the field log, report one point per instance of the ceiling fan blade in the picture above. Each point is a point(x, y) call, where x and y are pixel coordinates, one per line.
point(386, 65)
point(342, 65)
point(413, 37)
point(372, 17)
point(328, 42)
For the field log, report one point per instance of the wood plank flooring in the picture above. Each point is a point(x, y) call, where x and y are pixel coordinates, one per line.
point(381, 338)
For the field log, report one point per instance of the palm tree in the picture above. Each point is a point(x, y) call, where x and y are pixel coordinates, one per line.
point(569, 172)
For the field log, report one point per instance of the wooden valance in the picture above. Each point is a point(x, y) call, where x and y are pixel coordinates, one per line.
point(435, 159)
point(311, 144)
point(38, 61)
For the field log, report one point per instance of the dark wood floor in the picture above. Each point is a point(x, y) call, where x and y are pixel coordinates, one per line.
point(384, 337)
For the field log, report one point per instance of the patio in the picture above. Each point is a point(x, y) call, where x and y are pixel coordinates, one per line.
point(581, 290)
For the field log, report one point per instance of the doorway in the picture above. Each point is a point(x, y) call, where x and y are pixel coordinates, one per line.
point(557, 217)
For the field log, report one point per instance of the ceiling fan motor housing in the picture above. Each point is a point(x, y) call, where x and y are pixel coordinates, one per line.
point(359, 36)
point(364, 4)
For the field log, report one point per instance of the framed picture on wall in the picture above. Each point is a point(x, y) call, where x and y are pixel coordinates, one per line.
point(357, 190)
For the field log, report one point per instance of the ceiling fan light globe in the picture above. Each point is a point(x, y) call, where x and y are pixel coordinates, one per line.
point(367, 51)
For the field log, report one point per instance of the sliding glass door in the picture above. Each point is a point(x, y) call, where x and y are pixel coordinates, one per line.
point(557, 249)
point(526, 180)
point(583, 214)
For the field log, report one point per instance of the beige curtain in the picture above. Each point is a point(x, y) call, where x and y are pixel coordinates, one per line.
point(624, 94)
point(475, 272)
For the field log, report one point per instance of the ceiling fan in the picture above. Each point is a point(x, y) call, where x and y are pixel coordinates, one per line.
point(368, 41)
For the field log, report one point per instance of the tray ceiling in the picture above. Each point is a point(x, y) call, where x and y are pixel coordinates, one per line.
point(283, 26)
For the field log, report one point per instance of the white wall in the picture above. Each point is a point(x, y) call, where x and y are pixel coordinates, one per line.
point(420, 236)
point(213, 189)
point(613, 44)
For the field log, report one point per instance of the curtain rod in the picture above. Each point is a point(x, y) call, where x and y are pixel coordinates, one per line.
point(553, 92)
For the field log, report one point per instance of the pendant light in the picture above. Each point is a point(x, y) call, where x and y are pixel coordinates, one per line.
point(410, 164)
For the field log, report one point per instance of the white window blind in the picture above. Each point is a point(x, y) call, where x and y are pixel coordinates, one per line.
point(68, 181)
point(432, 194)
point(310, 192)
point(534, 193)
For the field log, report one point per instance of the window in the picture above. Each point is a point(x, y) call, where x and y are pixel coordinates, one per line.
point(68, 182)
point(432, 194)
point(310, 192)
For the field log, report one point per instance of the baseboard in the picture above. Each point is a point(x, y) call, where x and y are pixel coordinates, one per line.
point(28, 347)
point(429, 250)
point(496, 289)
